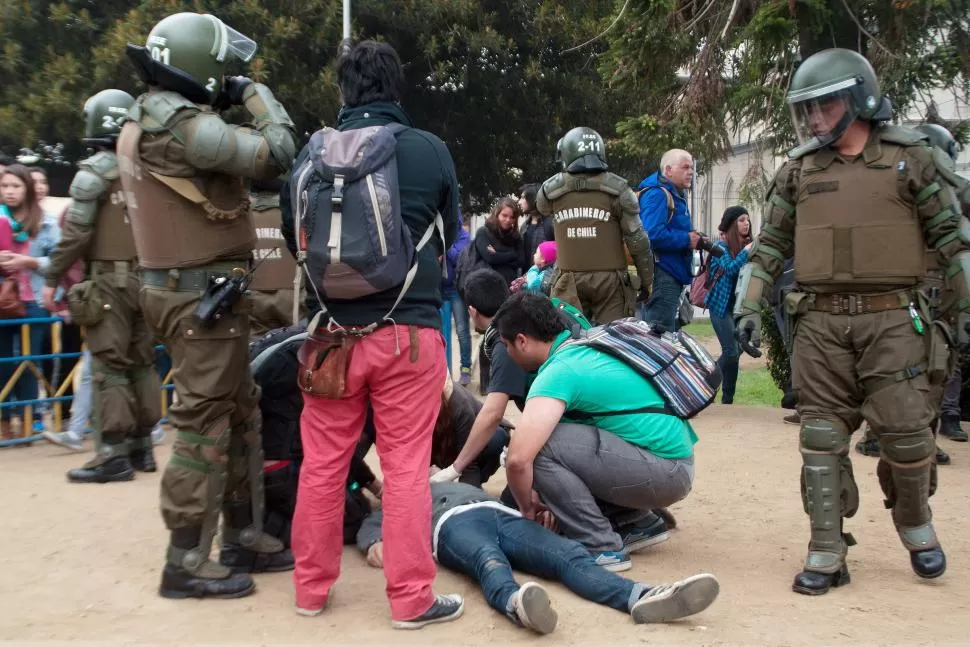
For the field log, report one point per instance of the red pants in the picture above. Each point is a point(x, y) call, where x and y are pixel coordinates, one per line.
point(406, 398)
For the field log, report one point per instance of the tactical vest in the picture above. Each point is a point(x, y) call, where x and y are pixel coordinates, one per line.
point(854, 231)
point(588, 236)
point(277, 271)
point(112, 239)
point(180, 221)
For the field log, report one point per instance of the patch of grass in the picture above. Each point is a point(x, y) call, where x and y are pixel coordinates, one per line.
point(756, 387)
point(701, 329)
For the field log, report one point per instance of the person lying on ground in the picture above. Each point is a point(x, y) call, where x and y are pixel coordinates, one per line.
point(475, 534)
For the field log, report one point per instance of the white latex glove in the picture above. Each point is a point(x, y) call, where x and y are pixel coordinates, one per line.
point(446, 475)
point(504, 456)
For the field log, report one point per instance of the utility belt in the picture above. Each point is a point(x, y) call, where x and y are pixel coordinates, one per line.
point(192, 279)
point(117, 270)
point(848, 304)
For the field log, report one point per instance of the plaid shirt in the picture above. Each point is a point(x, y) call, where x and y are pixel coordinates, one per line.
point(721, 296)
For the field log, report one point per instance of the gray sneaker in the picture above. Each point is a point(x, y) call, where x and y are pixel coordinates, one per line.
point(667, 602)
point(65, 440)
point(532, 608)
point(445, 609)
point(158, 435)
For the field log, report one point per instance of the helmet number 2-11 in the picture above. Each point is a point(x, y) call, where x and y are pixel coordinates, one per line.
point(161, 54)
point(588, 146)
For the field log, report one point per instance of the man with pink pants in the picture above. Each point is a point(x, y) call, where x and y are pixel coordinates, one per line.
point(398, 369)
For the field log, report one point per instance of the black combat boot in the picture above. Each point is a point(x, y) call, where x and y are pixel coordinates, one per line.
point(205, 579)
point(812, 583)
point(261, 553)
point(928, 564)
point(868, 447)
point(950, 428)
point(141, 455)
point(110, 465)
point(942, 458)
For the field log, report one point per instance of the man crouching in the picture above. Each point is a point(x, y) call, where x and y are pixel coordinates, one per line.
point(584, 442)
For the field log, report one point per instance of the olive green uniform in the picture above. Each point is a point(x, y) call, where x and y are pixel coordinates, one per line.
point(272, 287)
point(96, 229)
point(593, 216)
point(182, 170)
point(858, 229)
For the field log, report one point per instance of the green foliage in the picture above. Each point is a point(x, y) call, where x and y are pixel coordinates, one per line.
point(779, 363)
point(489, 77)
point(700, 67)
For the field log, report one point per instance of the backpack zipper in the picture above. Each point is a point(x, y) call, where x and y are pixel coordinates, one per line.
point(377, 213)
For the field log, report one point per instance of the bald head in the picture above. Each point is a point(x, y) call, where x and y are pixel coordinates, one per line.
point(678, 166)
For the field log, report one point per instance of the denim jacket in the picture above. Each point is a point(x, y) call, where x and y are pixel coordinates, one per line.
point(39, 247)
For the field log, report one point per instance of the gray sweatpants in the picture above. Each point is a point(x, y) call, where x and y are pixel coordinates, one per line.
point(583, 469)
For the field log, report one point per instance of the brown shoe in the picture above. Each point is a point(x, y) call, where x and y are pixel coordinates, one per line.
point(793, 419)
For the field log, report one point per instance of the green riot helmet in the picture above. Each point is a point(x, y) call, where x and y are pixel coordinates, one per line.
point(188, 53)
point(941, 138)
point(104, 114)
point(829, 91)
point(582, 150)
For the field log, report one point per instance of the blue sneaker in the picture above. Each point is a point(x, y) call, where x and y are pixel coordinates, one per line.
point(615, 561)
point(649, 531)
point(445, 609)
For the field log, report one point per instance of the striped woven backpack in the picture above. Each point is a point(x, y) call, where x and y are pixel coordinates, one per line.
point(676, 364)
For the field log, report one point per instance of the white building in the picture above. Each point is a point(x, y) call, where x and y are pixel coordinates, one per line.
point(748, 169)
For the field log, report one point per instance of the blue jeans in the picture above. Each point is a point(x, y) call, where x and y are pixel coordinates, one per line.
point(81, 410)
point(730, 358)
point(487, 544)
point(459, 313)
point(664, 302)
point(26, 387)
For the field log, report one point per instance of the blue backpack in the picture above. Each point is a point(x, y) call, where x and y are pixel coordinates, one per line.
point(352, 241)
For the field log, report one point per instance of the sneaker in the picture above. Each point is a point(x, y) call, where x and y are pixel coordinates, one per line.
point(466, 376)
point(64, 439)
point(678, 600)
point(532, 608)
point(615, 561)
point(310, 613)
point(649, 531)
point(158, 435)
point(868, 447)
point(950, 428)
point(445, 609)
point(793, 419)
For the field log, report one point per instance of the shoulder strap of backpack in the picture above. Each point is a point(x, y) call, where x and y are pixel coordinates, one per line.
point(667, 194)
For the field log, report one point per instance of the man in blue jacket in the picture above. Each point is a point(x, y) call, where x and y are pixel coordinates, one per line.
point(459, 313)
point(666, 219)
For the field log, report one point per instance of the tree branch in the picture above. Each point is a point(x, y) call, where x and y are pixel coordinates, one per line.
point(858, 24)
point(601, 34)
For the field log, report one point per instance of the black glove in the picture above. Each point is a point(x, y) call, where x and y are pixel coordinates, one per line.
point(749, 334)
point(235, 86)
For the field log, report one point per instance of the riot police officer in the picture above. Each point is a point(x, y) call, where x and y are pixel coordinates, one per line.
point(856, 205)
point(273, 290)
point(183, 171)
point(96, 229)
point(594, 213)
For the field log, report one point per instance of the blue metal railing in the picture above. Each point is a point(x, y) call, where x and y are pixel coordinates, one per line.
point(26, 361)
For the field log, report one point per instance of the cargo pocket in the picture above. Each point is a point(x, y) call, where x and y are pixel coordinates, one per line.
point(209, 365)
point(942, 358)
point(85, 303)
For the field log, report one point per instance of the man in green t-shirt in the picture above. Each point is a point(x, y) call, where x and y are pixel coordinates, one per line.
point(637, 461)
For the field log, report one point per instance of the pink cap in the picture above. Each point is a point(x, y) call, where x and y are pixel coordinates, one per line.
point(548, 252)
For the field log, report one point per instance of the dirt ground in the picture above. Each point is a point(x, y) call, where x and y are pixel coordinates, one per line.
point(81, 563)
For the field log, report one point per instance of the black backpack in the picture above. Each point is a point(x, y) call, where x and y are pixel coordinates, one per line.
point(272, 359)
point(468, 261)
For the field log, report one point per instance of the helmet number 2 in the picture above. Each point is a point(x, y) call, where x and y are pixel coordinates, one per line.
point(111, 123)
point(161, 54)
point(211, 85)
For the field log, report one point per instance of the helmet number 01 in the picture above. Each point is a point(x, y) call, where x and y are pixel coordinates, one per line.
point(161, 54)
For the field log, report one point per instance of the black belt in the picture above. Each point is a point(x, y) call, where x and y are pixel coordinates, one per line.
point(194, 279)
